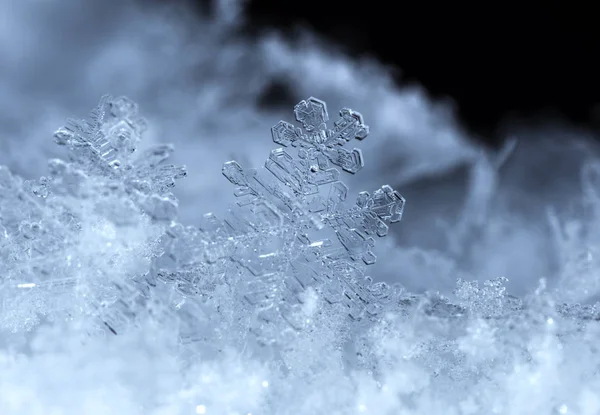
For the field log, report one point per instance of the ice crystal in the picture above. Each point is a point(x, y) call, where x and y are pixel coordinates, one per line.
point(291, 231)
point(289, 234)
point(86, 210)
point(268, 306)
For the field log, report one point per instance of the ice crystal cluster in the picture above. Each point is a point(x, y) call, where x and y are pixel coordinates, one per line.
point(266, 308)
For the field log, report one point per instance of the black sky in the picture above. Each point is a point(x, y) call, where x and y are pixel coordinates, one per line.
point(497, 61)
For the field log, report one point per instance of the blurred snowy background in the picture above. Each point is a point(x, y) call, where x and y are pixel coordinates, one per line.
point(214, 90)
point(477, 207)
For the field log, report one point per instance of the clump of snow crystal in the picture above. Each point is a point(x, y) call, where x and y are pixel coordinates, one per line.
point(109, 304)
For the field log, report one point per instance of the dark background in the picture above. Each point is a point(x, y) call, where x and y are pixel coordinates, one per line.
point(502, 63)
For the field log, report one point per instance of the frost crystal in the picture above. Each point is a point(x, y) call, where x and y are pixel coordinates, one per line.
point(291, 231)
point(290, 239)
point(85, 215)
point(266, 308)
point(106, 145)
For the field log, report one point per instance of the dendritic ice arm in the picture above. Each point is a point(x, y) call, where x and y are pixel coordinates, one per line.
point(321, 145)
point(106, 201)
point(106, 145)
point(107, 137)
point(292, 231)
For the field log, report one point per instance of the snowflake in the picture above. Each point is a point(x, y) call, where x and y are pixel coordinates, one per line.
point(291, 231)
